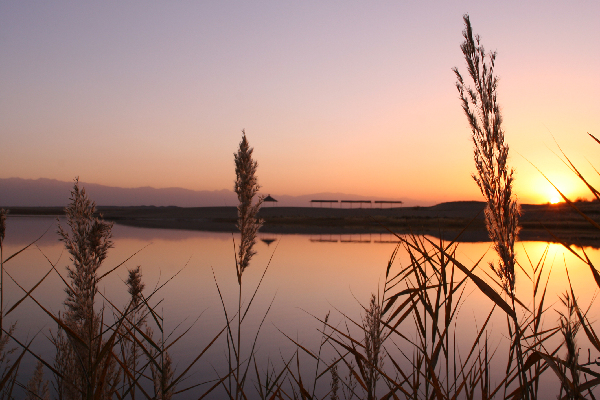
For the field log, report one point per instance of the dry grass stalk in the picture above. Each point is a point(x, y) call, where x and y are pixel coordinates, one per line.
point(37, 387)
point(135, 286)
point(335, 383)
point(433, 297)
point(163, 377)
point(78, 352)
point(373, 331)
point(569, 327)
point(246, 187)
point(3, 214)
point(493, 178)
point(135, 321)
point(534, 322)
point(8, 369)
point(5, 365)
point(349, 388)
point(88, 246)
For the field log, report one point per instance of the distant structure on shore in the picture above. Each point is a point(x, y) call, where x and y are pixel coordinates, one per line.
point(390, 203)
point(270, 199)
point(321, 202)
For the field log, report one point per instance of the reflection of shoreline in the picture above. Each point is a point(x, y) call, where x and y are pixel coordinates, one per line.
point(465, 237)
point(583, 237)
point(447, 220)
point(23, 230)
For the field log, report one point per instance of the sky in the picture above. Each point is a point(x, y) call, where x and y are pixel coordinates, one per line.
point(335, 96)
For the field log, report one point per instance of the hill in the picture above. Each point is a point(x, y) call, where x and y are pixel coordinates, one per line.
point(17, 192)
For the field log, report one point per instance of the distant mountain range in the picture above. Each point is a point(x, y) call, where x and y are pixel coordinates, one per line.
point(53, 193)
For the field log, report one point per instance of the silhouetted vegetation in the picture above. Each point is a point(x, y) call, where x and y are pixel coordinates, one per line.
point(126, 355)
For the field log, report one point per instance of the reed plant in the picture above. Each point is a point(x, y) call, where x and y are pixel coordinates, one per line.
point(130, 350)
point(37, 387)
point(494, 178)
point(3, 213)
point(373, 329)
point(568, 328)
point(424, 297)
point(79, 342)
point(96, 359)
point(87, 364)
point(569, 369)
point(9, 369)
point(246, 188)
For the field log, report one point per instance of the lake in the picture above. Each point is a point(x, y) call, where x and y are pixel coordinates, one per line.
point(307, 277)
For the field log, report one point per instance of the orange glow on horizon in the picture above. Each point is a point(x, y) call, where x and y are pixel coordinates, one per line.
point(537, 190)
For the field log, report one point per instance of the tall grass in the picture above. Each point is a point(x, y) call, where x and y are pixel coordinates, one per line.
point(570, 369)
point(246, 187)
point(494, 178)
point(92, 372)
point(3, 213)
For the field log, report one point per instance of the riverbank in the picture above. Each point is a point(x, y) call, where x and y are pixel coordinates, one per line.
point(538, 222)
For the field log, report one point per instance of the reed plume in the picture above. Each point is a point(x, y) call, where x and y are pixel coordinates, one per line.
point(88, 246)
point(372, 328)
point(135, 321)
point(78, 355)
point(335, 383)
point(135, 286)
point(162, 370)
point(37, 387)
point(494, 178)
point(162, 379)
point(246, 187)
point(349, 388)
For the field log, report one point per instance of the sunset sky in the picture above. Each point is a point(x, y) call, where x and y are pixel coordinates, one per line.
point(338, 96)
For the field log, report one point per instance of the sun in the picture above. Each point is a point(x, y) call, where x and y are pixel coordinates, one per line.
point(549, 194)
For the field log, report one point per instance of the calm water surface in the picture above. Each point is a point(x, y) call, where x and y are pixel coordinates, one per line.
point(307, 277)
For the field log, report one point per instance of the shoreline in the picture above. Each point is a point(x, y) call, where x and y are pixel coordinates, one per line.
point(553, 223)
